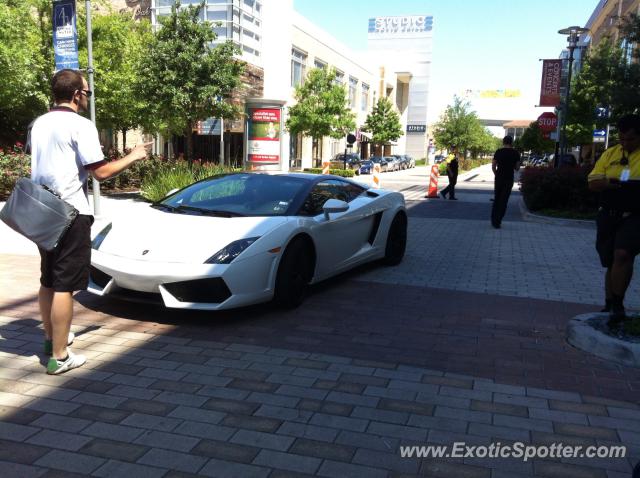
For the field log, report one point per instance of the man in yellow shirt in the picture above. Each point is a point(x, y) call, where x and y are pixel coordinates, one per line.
point(616, 176)
point(452, 174)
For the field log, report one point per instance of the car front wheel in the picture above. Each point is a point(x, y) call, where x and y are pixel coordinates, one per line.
point(396, 240)
point(294, 274)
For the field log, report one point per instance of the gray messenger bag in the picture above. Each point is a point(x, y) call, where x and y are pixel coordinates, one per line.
point(38, 214)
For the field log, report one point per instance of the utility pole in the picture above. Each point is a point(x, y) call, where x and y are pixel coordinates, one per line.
point(92, 104)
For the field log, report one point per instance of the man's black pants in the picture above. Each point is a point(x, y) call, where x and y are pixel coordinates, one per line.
point(502, 191)
point(451, 188)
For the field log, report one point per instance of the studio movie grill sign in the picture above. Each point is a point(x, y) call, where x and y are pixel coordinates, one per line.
point(406, 24)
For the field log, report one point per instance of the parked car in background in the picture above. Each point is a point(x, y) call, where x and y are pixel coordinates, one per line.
point(403, 162)
point(439, 158)
point(353, 161)
point(366, 167)
point(392, 163)
point(382, 161)
point(411, 161)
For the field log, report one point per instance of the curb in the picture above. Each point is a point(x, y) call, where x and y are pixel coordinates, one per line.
point(586, 332)
point(555, 221)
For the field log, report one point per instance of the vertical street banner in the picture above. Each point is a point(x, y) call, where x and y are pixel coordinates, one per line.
point(551, 78)
point(65, 35)
point(264, 135)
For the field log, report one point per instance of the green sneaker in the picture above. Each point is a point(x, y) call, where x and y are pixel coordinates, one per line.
point(48, 344)
point(56, 367)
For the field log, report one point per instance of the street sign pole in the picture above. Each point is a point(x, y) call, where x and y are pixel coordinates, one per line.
point(92, 104)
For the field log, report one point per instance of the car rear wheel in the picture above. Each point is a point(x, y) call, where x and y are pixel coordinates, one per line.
point(294, 274)
point(396, 240)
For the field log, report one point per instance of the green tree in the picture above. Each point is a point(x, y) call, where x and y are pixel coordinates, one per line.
point(119, 44)
point(23, 70)
point(322, 107)
point(458, 126)
point(533, 140)
point(183, 79)
point(593, 87)
point(383, 123)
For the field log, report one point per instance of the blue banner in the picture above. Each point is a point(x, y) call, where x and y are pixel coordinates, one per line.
point(65, 34)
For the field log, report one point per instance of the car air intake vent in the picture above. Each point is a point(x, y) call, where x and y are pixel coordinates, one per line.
point(372, 194)
point(98, 277)
point(210, 291)
point(375, 228)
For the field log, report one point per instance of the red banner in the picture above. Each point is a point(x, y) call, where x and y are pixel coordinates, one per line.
point(550, 87)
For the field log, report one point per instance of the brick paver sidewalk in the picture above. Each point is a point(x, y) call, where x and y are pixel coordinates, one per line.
point(460, 343)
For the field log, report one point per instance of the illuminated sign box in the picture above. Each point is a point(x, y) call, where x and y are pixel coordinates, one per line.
point(416, 128)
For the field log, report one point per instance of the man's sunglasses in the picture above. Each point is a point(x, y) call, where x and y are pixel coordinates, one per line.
point(87, 93)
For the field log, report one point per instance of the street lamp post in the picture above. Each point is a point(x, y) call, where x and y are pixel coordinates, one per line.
point(573, 36)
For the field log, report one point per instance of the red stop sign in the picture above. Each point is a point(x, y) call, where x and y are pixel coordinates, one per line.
point(548, 122)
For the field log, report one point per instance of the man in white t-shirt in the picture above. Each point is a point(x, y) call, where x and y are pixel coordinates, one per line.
point(64, 150)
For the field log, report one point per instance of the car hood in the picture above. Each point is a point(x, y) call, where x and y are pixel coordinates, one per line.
point(160, 236)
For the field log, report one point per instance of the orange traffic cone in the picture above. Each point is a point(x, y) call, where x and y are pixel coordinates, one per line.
point(376, 175)
point(433, 182)
point(326, 165)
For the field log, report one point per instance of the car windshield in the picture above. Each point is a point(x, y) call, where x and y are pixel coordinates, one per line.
point(243, 194)
point(376, 159)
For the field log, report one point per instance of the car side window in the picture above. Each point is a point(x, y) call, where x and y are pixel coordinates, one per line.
point(329, 189)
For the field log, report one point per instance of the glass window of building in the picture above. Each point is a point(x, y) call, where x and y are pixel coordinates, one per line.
point(353, 86)
point(236, 20)
point(339, 77)
point(298, 66)
point(319, 63)
point(364, 97)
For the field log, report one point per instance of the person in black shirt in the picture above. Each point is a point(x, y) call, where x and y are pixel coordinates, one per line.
point(452, 174)
point(506, 160)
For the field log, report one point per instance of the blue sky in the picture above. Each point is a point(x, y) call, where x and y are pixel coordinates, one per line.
point(478, 45)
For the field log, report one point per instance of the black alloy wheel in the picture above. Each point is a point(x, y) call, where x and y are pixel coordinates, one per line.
point(396, 240)
point(294, 274)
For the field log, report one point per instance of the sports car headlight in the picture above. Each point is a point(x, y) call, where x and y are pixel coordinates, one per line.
point(97, 241)
point(231, 251)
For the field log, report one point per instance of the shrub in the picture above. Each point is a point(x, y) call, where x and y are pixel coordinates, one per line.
point(345, 173)
point(557, 188)
point(14, 164)
point(176, 175)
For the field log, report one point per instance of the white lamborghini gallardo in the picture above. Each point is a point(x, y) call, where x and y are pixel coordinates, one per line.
point(244, 238)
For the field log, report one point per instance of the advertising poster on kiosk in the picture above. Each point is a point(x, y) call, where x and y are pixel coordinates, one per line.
point(264, 136)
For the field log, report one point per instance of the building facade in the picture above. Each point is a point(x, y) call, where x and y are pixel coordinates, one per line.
point(402, 46)
point(606, 17)
point(280, 47)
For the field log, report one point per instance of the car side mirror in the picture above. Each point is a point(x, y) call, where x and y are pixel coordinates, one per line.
point(174, 190)
point(334, 206)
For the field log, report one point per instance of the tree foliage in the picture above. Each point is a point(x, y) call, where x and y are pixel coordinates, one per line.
point(322, 107)
point(459, 126)
point(183, 79)
point(383, 123)
point(23, 70)
point(533, 140)
point(607, 79)
point(119, 44)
